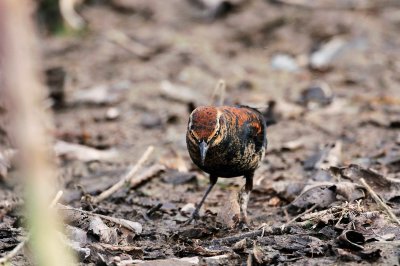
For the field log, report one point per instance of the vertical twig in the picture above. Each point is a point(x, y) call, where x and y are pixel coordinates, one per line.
point(31, 125)
point(220, 90)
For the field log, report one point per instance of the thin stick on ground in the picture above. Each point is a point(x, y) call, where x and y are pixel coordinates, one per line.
point(123, 40)
point(133, 226)
point(14, 252)
point(146, 175)
point(299, 216)
point(379, 201)
point(265, 230)
point(56, 199)
point(126, 178)
point(219, 89)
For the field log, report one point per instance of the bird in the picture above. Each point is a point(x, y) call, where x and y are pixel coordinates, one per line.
point(227, 141)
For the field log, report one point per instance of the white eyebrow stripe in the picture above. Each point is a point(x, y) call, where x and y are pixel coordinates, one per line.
point(190, 121)
point(192, 135)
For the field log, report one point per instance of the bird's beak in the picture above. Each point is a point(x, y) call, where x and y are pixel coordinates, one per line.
point(203, 151)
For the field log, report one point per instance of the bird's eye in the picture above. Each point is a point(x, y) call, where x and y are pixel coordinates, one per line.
point(191, 133)
point(216, 133)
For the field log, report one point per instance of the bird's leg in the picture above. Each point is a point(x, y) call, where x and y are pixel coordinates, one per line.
point(195, 214)
point(244, 196)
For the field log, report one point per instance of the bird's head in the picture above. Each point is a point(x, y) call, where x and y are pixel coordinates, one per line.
point(206, 128)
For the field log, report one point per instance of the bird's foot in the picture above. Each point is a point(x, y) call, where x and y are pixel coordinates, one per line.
point(243, 226)
point(244, 223)
point(194, 217)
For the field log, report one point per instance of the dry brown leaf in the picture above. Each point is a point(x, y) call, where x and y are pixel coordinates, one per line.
point(387, 188)
point(101, 231)
point(323, 194)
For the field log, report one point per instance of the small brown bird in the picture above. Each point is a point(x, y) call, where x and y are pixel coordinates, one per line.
point(227, 141)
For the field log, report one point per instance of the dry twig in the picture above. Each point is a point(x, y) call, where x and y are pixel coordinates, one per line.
point(252, 234)
point(14, 252)
point(56, 199)
point(136, 48)
point(220, 90)
point(299, 216)
point(126, 249)
point(132, 226)
point(379, 201)
point(147, 175)
point(126, 178)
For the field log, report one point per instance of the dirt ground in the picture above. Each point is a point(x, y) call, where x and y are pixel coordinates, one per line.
point(325, 75)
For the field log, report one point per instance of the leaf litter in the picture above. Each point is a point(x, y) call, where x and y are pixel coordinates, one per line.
point(332, 122)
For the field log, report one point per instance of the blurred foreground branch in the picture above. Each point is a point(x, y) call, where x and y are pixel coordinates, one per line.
point(31, 124)
point(17, 248)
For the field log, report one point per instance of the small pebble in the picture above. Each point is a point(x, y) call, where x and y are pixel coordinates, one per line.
point(112, 113)
point(188, 209)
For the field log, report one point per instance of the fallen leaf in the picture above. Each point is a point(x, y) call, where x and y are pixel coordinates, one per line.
point(133, 226)
point(285, 189)
point(101, 231)
point(257, 253)
point(346, 255)
point(351, 239)
point(324, 194)
point(240, 245)
point(76, 234)
point(387, 188)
